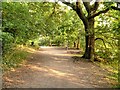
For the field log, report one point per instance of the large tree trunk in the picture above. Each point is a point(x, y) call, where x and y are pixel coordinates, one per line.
point(88, 22)
point(89, 38)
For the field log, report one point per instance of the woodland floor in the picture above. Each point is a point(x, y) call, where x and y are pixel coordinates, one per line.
point(53, 67)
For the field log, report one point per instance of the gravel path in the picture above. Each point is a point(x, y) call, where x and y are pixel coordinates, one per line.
point(54, 68)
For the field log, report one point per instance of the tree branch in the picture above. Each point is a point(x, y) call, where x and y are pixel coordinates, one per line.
point(96, 4)
point(115, 8)
point(87, 6)
point(53, 12)
point(78, 10)
point(100, 12)
point(102, 40)
point(81, 14)
point(104, 11)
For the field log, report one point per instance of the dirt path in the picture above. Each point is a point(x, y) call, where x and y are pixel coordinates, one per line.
point(54, 68)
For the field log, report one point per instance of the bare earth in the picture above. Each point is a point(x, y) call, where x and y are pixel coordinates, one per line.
point(54, 68)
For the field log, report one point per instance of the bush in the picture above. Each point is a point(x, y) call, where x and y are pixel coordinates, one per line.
point(10, 56)
point(7, 43)
point(14, 59)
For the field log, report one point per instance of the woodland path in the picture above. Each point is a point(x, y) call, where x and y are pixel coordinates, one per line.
point(54, 68)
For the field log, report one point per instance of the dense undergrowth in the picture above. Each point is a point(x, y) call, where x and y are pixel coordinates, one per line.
point(16, 57)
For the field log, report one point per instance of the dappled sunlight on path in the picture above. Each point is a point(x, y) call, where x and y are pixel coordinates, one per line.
point(54, 68)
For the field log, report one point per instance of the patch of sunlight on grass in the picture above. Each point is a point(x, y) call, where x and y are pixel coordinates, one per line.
point(28, 49)
point(112, 72)
point(117, 86)
point(107, 67)
point(16, 58)
point(112, 77)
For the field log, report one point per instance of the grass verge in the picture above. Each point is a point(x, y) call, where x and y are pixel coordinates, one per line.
point(112, 75)
point(16, 57)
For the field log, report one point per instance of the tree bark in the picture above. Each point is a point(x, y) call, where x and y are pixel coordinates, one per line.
point(90, 40)
point(88, 22)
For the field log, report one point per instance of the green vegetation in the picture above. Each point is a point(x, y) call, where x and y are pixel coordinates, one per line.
point(35, 24)
point(15, 59)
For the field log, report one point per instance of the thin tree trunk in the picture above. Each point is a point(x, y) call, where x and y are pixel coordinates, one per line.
point(78, 43)
point(74, 44)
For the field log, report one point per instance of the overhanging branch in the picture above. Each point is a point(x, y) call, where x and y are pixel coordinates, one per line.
point(102, 40)
point(95, 6)
point(100, 12)
point(87, 6)
point(78, 10)
point(81, 14)
point(115, 8)
point(104, 11)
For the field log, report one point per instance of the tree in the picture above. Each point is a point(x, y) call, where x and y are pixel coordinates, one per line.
point(88, 21)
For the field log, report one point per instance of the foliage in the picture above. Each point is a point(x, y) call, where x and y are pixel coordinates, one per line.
point(107, 28)
point(50, 23)
point(7, 43)
point(14, 59)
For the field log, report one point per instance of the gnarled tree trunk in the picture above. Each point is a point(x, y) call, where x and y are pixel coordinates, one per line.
point(89, 38)
point(88, 21)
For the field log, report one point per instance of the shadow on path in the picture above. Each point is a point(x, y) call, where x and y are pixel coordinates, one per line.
point(54, 68)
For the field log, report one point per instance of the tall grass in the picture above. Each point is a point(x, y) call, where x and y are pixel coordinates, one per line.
point(16, 57)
